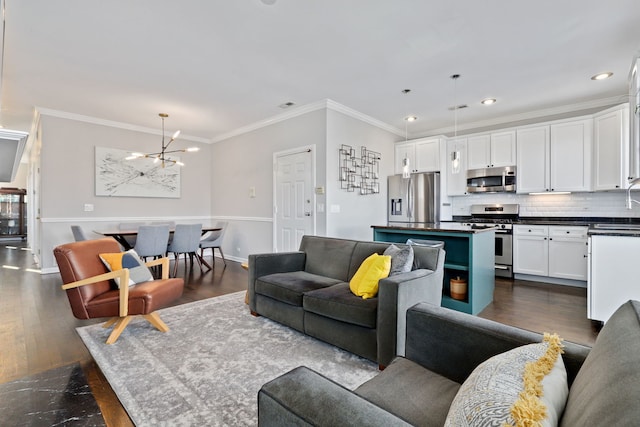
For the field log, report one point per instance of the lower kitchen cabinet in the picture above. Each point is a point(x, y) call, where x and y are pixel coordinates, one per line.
point(550, 251)
point(613, 274)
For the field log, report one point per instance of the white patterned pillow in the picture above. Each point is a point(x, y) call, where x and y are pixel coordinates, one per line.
point(401, 259)
point(523, 386)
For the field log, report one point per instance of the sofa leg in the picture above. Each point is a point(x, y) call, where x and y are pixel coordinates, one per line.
point(381, 367)
point(253, 313)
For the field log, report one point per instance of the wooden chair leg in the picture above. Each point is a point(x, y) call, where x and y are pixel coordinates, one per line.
point(121, 323)
point(155, 320)
point(110, 322)
point(223, 260)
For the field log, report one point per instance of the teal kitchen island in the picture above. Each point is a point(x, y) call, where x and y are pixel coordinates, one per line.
point(470, 254)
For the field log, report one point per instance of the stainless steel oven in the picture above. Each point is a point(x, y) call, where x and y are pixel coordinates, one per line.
point(501, 218)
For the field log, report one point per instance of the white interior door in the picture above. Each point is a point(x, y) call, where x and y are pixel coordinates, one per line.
point(294, 199)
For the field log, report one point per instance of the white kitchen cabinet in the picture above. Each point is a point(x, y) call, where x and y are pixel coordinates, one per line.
point(568, 252)
point(532, 164)
point(457, 179)
point(492, 150)
point(428, 155)
point(423, 155)
point(570, 155)
point(555, 157)
point(405, 150)
point(613, 274)
point(634, 119)
point(531, 249)
point(611, 148)
point(552, 251)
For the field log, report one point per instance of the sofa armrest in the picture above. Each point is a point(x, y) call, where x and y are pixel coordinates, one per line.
point(270, 263)
point(396, 294)
point(452, 344)
point(303, 397)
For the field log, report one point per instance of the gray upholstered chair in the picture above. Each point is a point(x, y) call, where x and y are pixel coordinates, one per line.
point(78, 233)
point(186, 240)
point(152, 241)
point(213, 240)
point(131, 240)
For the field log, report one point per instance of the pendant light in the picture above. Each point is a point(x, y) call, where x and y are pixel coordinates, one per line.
point(161, 156)
point(455, 154)
point(406, 164)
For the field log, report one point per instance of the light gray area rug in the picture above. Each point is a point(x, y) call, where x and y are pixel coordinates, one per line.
point(208, 368)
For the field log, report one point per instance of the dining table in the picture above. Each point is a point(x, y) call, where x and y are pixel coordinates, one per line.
point(120, 236)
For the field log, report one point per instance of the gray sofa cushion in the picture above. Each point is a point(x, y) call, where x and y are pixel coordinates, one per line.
point(289, 287)
point(604, 392)
point(339, 303)
point(411, 392)
point(328, 257)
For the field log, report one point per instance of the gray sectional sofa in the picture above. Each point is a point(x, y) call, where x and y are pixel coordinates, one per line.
point(442, 348)
point(308, 290)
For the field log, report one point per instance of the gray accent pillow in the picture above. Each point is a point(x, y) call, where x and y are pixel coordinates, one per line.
point(401, 259)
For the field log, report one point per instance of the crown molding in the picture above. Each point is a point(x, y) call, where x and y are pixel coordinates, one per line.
point(545, 114)
point(110, 123)
point(308, 108)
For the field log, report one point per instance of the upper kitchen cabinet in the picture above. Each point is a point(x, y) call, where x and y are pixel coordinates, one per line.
point(457, 167)
point(492, 150)
point(423, 155)
point(570, 155)
point(555, 157)
point(610, 148)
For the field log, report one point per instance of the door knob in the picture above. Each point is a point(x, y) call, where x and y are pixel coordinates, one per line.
point(307, 214)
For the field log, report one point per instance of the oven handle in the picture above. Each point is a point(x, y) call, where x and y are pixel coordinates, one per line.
point(501, 267)
point(501, 231)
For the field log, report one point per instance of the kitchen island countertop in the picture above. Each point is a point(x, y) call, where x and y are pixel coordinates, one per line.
point(435, 226)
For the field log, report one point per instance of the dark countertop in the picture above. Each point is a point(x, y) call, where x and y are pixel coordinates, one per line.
point(568, 221)
point(436, 226)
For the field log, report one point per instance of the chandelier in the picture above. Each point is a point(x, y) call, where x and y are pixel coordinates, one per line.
point(161, 156)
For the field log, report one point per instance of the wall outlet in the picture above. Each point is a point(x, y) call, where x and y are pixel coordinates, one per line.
point(252, 192)
point(88, 207)
point(238, 250)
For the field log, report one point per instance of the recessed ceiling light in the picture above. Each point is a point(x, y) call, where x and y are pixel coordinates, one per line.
point(488, 101)
point(602, 76)
point(411, 118)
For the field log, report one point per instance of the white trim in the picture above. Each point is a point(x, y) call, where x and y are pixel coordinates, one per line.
point(126, 219)
point(340, 108)
point(244, 218)
point(110, 123)
point(146, 218)
point(308, 108)
point(532, 115)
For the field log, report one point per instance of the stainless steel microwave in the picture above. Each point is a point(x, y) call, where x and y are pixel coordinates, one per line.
point(492, 180)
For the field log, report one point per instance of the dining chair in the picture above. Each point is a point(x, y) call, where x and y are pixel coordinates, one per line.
point(78, 233)
point(152, 241)
point(186, 240)
point(131, 240)
point(213, 240)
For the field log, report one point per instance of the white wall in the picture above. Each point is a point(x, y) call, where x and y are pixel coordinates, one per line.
point(246, 161)
point(67, 171)
point(357, 212)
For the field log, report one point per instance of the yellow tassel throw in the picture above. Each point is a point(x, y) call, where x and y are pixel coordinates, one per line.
point(528, 410)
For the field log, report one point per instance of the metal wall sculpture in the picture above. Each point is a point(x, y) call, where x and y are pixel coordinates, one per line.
point(361, 173)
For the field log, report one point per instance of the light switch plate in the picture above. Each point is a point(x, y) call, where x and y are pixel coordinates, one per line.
point(88, 207)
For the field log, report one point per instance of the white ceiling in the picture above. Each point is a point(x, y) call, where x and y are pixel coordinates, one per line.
point(218, 65)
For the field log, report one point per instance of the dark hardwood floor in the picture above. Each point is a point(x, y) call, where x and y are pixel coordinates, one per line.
point(37, 329)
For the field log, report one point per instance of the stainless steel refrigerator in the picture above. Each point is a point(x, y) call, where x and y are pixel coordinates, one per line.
point(415, 199)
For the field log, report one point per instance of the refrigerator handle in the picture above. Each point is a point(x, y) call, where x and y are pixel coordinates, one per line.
point(409, 199)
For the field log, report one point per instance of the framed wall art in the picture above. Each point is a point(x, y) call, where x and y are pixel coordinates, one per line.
point(141, 177)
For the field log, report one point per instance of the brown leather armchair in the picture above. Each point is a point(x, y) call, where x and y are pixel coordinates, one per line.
point(92, 295)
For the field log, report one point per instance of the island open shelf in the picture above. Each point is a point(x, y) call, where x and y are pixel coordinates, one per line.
point(469, 254)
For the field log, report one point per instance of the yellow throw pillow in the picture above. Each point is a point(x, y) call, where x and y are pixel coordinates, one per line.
point(365, 282)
